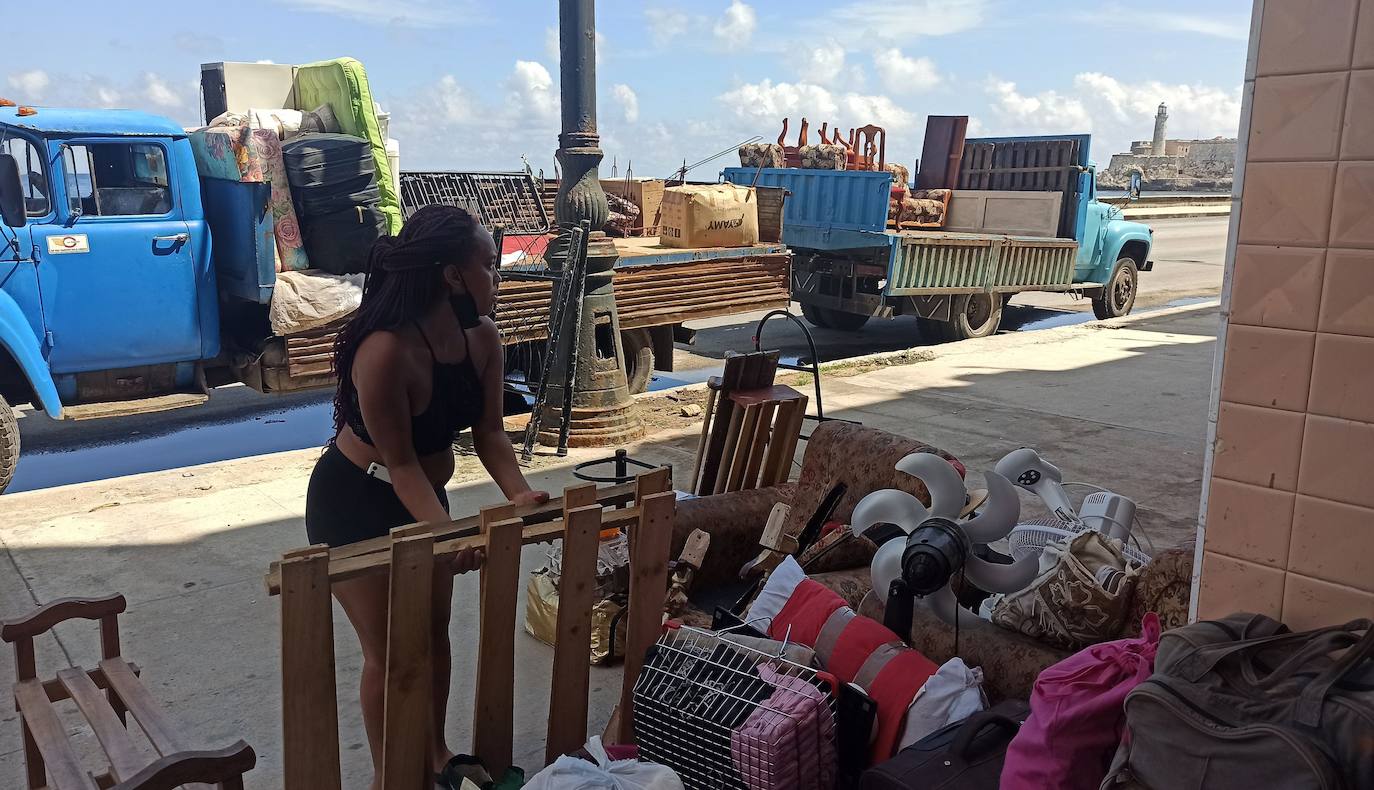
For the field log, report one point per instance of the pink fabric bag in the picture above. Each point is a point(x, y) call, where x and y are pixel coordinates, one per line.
point(1077, 715)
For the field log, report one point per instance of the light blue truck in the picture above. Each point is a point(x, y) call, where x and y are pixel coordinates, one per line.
point(849, 263)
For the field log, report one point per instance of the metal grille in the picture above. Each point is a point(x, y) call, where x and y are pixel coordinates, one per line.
point(702, 708)
point(512, 200)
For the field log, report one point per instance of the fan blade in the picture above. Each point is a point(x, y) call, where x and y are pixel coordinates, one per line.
point(947, 494)
point(888, 506)
point(946, 606)
point(1000, 512)
point(994, 577)
point(886, 567)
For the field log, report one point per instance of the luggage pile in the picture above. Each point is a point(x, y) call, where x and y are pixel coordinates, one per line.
point(334, 189)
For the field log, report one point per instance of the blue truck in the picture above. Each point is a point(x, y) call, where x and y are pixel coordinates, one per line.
point(1024, 216)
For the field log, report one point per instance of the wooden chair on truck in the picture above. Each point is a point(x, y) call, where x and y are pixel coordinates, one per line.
point(105, 697)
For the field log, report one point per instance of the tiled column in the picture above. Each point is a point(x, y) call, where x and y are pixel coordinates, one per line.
point(1287, 524)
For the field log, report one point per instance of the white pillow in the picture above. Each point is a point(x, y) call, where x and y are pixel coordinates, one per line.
point(775, 593)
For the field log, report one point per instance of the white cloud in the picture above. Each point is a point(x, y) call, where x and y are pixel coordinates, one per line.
point(156, 90)
point(768, 102)
point(452, 101)
point(408, 13)
point(1113, 111)
point(31, 85)
point(1115, 16)
point(828, 65)
point(629, 102)
point(902, 74)
point(532, 89)
point(898, 21)
point(736, 25)
point(666, 24)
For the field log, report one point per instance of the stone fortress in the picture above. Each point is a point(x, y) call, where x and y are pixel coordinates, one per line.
point(1174, 165)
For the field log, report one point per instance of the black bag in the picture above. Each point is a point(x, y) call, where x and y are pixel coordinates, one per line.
point(968, 754)
point(339, 243)
point(320, 160)
point(319, 202)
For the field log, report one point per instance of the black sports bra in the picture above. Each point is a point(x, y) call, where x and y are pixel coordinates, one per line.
point(455, 404)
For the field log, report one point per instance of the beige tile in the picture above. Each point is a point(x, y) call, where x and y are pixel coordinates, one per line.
point(1249, 522)
point(1267, 367)
point(1331, 541)
point(1311, 603)
point(1343, 378)
point(1258, 446)
point(1352, 212)
point(1357, 136)
point(1297, 117)
point(1348, 296)
point(1280, 287)
point(1286, 203)
point(1336, 458)
point(1364, 38)
point(1298, 36)
point(1230, 585)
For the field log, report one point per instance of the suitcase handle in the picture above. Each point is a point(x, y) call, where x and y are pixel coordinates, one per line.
point(974, 725)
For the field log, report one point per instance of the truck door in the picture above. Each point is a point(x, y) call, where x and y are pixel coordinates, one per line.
point(1094, 229)
point(18, 279)
point(119, 285)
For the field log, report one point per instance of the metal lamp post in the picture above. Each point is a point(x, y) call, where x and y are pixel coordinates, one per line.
point(602, 410)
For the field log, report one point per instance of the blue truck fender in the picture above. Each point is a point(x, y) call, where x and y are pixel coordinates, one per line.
point(1124, 239)
point(16, 338)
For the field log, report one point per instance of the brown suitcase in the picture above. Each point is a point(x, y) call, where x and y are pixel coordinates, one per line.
point(967, 755)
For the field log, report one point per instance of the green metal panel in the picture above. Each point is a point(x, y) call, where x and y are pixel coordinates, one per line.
point(946, 263)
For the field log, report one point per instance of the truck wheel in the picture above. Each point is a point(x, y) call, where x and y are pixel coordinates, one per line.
point(638, 346)
point(1118, 296)
point(815, 315)
point(973, 315)
point(9, 443)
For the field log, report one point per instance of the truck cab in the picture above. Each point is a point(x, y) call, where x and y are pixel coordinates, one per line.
point(107, 288)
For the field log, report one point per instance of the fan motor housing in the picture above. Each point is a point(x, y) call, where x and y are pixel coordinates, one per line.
point(934, 552)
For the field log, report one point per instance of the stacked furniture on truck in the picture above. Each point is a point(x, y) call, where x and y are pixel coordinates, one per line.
point(334, 188)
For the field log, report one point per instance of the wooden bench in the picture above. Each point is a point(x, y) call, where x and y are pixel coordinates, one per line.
point(105, 696)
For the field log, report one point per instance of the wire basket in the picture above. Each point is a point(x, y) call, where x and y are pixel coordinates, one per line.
point(724, 715)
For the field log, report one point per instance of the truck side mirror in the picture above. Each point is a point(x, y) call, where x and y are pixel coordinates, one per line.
point(1133, 191)
point(12, 209)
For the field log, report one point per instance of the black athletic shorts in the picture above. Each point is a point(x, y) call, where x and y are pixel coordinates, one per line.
point(344, 504)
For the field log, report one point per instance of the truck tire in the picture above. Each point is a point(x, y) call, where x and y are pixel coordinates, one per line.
point(9, 443)
point(973, 315)
point(1118, 295)
point(815, 315)
point(638, 346)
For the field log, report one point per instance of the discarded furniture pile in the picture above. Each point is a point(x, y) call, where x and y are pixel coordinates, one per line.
point(106, 697)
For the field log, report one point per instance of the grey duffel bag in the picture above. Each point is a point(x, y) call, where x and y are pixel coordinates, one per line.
point(1242, 703)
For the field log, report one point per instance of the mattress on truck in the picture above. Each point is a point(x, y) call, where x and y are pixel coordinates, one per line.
point(342, 84)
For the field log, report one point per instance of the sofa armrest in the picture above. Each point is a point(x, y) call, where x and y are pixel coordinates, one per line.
point(734, 521)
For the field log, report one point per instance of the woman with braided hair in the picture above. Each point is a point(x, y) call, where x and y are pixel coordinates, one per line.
point(419, 362)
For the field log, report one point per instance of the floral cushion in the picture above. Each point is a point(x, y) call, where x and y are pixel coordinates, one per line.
point(762, 155)
point(822, 157)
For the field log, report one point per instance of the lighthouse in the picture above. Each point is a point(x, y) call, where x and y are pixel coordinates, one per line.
point(1161, 126)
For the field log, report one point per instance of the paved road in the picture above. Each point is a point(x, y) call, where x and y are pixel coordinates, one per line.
point(1189, 255)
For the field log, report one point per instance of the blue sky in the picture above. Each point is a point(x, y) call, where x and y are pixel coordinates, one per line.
point(474, 84)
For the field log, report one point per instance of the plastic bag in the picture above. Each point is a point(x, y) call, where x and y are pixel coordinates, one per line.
point(574, 773)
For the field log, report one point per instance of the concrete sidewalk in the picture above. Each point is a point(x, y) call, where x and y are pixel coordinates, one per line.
point(1119, 404)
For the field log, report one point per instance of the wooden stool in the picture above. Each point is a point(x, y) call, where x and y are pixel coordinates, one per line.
point(756, 443)
point(49, 758)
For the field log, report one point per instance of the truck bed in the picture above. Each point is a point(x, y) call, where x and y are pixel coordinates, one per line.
point(923, 263)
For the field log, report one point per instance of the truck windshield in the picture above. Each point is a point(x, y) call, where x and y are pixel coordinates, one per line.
point(117, 179)
point(33, 174)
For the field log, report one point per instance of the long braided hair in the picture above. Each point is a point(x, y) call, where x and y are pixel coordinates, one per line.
point(405, 277)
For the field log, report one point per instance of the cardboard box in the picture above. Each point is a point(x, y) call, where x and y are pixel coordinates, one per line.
point(714, 215)
point(647, 195)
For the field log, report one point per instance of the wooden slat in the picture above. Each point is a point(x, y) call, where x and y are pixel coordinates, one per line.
point(571, 666)
point(409, 713)
point(711, 396)
point(310, 715)
point(727, 455)
point(654, 481)
point(792, 433)
point(458, 528)
point(125, 760)
point(164, 736)
point(777, 463)
point(739, 459)
point(759, 448)
point(51, 738)
point(493, 723)
point(650, 539)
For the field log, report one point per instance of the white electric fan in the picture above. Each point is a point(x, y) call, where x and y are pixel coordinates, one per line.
point(937, 545)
